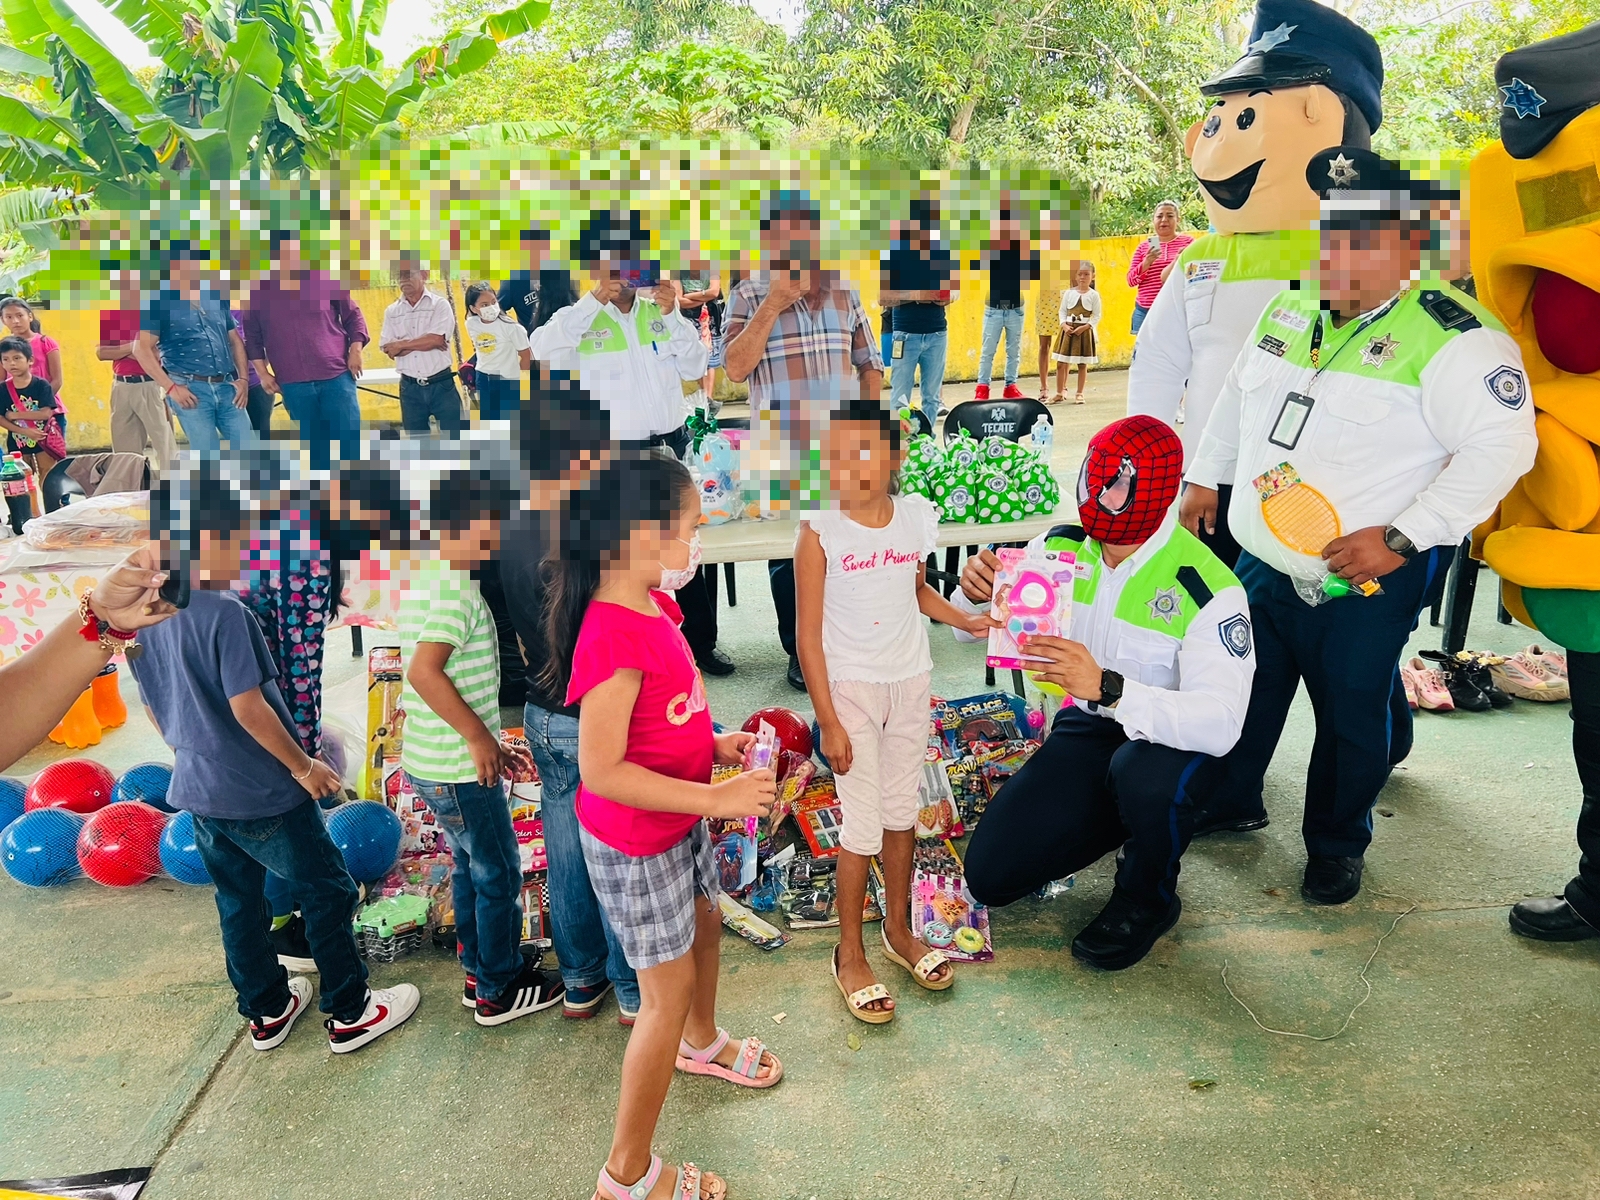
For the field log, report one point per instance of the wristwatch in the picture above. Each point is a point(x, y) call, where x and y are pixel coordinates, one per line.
point(1398, 542)
point(1110, 689)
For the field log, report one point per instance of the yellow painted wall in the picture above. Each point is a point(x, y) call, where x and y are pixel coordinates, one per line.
point(88, 381)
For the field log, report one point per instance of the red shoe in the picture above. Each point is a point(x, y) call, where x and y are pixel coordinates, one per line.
point(1012, 392)
point(982, 392)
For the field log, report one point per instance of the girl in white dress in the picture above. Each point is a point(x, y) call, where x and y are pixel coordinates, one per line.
point(1080, 316)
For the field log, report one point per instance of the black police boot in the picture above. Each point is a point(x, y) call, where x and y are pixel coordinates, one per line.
point(1123, 932)
point(797, 680)
point(1550, 919)
point(1331, 880)
point(1220, 819)
point(714, 662)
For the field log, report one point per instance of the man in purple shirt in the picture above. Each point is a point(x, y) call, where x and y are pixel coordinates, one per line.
point(311, 331)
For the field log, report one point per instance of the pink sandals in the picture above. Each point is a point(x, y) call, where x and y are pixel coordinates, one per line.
point(690, 1180)
point(745, 1066)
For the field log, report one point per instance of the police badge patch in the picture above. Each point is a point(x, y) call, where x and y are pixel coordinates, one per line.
point(1507, 385)
point(1164, 605)
point(1235, 634)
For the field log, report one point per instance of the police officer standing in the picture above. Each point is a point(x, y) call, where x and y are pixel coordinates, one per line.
point(1368, 425)
point(1159, 659)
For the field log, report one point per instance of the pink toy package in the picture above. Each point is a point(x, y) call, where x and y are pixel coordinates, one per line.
point(1033, 598)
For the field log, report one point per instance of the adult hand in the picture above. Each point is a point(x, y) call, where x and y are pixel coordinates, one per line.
point(729, 747)
point(607, 289)
point(180, 395)
point(836, 747)
point(353, 359)
point(321, 780)
point(784, 289)
point(270, 384)
point(241, 393)
point(1198, 507)
point(747, 794)
point(1361, 555)
point(128, 597)
point(1068, 665)
point(490, 759)
point(668, 293)
point(977, 577)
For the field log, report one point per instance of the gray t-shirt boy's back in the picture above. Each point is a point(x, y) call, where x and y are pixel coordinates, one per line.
point(191, 667)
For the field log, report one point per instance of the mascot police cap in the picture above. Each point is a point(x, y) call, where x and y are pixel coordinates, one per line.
point(1544, 86)
point(1296, 42)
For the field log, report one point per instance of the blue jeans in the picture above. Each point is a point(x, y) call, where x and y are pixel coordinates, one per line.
point(215, 418)
point(588, 949)
point(485, 880)
point(498, 396)
point(925, 351)
point(296, 847)
point(326, 409)
point(994, 320)
point(1138, 316)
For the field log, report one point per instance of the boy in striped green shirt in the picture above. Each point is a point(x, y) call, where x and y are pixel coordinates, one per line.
point(452, 753)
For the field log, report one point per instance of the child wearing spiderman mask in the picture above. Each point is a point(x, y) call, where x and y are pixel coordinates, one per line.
point(1157, 666)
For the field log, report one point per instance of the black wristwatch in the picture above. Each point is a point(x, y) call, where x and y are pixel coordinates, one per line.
point(1398, 542)
point(1110, 689)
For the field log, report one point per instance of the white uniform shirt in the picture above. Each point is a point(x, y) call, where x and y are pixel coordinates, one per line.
point(403, 321)
point(1189, 693)
point(638, 384)
point(1431, 458)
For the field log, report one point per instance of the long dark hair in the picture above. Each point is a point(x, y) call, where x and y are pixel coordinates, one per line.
point(641, 489)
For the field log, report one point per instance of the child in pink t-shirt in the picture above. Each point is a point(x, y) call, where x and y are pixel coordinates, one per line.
point(19, 320)
point(645, 752)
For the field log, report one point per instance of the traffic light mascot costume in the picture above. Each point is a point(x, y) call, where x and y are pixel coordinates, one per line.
point(1309, 77)
point(1535, 221)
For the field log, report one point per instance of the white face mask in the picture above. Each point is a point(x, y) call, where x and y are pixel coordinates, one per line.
point(673, 578)
point(489, 312)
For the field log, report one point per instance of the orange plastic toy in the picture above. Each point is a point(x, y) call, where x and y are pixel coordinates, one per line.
point(80, 727)
point(108, 705)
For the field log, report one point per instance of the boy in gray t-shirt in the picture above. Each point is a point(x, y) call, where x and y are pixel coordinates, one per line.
point(210, 688)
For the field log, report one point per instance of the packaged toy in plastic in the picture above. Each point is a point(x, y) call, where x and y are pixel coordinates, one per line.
point(1032, 598)
point(943, 913)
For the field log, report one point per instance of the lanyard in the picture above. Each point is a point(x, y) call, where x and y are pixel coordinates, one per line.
point(1316, 338)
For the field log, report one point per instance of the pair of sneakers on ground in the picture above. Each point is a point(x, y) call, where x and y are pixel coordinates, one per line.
point(1012, 392)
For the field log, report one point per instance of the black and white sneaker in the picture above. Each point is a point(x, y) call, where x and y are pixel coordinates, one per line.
point(269, 1032)
point(531, 991)
point(386, 1008)
point(293, 950)
point(531, 957)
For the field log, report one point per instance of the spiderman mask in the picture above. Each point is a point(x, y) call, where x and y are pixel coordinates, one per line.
point(1130, 478)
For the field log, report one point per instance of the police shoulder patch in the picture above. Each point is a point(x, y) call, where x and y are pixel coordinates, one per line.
point(1235, 634)
point(1507, 385)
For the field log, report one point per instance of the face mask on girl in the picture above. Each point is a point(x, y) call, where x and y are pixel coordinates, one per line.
point(673, 578)
point(489, 312)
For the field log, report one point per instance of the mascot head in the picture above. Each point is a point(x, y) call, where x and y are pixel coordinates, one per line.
point(1309, 77)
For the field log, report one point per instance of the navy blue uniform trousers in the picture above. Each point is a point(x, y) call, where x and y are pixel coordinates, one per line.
point(1347, 651)
point(1088, 790)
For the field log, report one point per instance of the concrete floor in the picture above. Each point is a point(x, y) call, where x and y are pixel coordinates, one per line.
point(1469, 1073)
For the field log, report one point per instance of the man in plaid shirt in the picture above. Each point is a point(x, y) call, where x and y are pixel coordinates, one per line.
point(798, 333)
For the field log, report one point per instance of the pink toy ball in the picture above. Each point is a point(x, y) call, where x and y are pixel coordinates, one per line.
point(77, 784)
point(120, 846)
point(1035, 718)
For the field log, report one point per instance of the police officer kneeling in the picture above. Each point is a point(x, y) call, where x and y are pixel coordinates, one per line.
point(1160, 666)
point(1393, 411)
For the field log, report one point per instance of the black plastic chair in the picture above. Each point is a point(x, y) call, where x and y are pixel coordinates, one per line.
point(1010, 419)
point(57, 487)
point(920, 424)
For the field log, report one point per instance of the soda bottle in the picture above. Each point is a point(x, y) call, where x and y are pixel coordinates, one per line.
point(14, 486)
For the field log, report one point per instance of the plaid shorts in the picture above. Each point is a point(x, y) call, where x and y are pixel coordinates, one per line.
point(649, 899)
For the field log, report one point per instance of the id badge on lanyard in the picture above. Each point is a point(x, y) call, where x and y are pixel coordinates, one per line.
point(1291, 422)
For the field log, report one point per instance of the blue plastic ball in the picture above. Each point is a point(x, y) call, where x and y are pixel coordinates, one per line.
point(146, 783)
point(40, 848)
point(180, 857)
point(368, 835)
point(13, 793)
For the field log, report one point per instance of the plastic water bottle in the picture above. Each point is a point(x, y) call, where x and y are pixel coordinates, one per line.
point(1043, 436)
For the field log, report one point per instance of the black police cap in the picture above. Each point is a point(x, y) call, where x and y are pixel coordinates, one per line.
point(1357, 188)
point(1544, 86)
point(1294, 42)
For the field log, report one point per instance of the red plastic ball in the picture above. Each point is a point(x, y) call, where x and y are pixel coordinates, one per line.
point(793, 730)
point(120, 845)
point(76, 784)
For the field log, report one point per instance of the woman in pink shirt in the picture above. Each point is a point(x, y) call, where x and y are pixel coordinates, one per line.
point(645, 751)
point(1154, 258)
point(19, 319)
